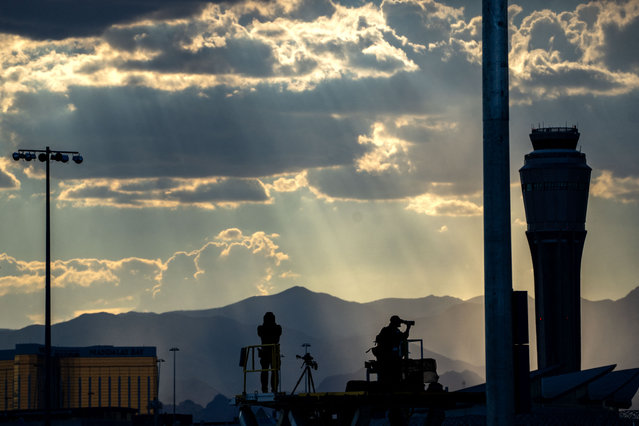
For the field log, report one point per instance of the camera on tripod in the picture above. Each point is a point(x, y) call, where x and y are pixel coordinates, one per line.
point(308, 364)
point(308, 360)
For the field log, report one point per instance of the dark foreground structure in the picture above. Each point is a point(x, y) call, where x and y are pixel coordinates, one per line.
point(589, 397)
point(554, 181)
point(363, 401)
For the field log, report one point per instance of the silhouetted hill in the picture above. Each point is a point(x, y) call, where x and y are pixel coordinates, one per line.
point(611, 327)
point(325, 312)
point(9, 338)
point(321, 311)
point(340, 333)
point(457, 332)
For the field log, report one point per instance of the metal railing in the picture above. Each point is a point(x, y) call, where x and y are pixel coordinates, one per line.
point(248, 357)
point(554, 129)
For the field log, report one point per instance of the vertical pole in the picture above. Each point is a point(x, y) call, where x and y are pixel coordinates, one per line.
point(157, 387)
point(497, 243)
point(174, 350)
point(47, 304)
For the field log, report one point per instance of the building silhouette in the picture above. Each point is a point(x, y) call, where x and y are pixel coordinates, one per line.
point(554, 181)
point(85, 377)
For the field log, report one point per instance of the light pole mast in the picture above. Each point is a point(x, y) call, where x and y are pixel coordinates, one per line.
point(497, 243)
point(47, 301)
point(46, 156)
point(174, 350)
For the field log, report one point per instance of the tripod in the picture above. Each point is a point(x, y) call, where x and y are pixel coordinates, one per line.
point(307, 364)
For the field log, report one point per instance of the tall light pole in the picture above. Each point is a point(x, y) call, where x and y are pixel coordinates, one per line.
point(159, 361)
point(155, 404)
point(497, 245)
point(46, 156)
point(174, 350)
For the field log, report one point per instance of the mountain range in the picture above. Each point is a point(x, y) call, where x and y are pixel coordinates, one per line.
point(339, 333)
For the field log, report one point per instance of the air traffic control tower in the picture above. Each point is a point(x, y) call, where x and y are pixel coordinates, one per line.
point(555, 180)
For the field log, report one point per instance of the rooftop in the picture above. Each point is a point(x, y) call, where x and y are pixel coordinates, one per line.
point(554, 137)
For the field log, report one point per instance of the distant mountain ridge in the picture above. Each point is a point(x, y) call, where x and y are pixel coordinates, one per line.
point(340, 333)
point(329, 312)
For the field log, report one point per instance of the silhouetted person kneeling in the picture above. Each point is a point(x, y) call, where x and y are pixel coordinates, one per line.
point(392, 346)
point(270, 333)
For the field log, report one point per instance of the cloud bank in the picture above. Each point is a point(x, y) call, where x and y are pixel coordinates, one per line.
point(248, 115)
point(228, 268)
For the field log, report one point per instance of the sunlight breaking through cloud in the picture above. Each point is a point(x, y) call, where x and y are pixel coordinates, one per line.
point(288, 184)
point(8, 180)
point(437, 205)
point(608, 186)
point(201, 275)
point(205, 193)
point(334, 144)
point(203, 52)
point(387, 152)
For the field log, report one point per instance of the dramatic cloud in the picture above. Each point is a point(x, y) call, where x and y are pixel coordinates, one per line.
point(434, 205)
point(7, 179)
point(289, 184)
point(229, 267)
point(349, 132)
point(195, 136)
point(556, 54)
point(166, 192)
point(388, 153)
point(218, 47)
point(623, 189)
point(45, 19)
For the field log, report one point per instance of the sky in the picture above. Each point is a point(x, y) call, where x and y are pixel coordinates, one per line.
point(234, 149)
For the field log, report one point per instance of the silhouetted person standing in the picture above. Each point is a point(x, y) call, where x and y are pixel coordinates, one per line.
point(392, 346)
point(270, 333)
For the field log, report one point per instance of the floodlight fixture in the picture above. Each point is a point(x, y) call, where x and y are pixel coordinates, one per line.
point(43, 155)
